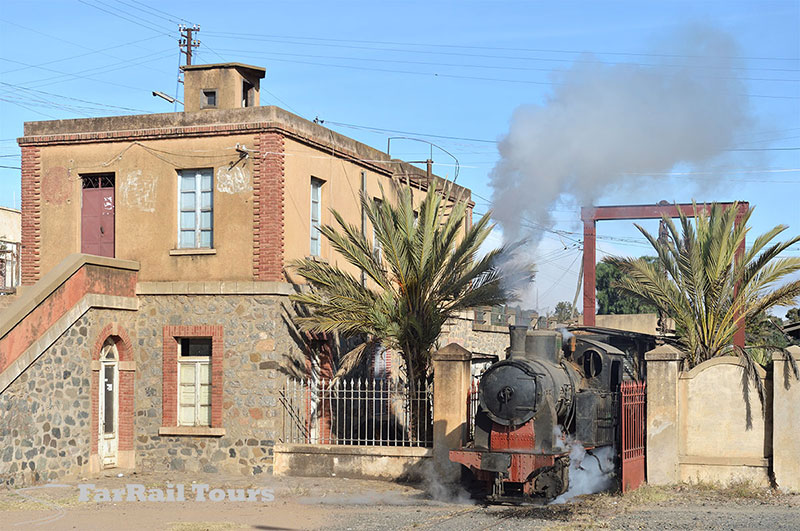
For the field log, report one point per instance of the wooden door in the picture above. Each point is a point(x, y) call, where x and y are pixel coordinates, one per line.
point(97, 215)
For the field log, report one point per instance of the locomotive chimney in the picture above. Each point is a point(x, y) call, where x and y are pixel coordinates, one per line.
point(517, 335)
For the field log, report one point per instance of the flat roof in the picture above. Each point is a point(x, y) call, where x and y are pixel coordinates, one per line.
point(246, 118)
point(259, 71)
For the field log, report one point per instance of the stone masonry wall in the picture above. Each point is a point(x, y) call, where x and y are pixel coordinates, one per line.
point(475, 337)
point(257, 349)
point(44, 414)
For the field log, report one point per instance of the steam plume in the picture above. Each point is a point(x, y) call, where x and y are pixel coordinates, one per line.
point(605, 122)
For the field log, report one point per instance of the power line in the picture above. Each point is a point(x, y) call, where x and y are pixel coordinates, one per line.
point(146, 26)
point(457, 65)
point(455, 46)
point(430, 135)
point(18, 87)
point(170, 18)
point(106, 68)
point(487, 141)
point(472, 78)
point(81, 55)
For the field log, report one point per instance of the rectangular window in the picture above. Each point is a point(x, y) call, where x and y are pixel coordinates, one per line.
point(377, 247)
point(248, 94)
point(194, 384)
point(209, 98)
point(316, 208)
point(196, 209)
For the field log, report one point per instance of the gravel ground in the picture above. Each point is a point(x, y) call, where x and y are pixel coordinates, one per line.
point(340, 504)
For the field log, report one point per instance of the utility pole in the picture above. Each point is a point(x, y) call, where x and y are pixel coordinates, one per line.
point(186, 41)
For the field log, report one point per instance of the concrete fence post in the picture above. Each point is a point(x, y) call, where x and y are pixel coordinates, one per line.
point(786, 422)
point(451, 379)
point(663, 367)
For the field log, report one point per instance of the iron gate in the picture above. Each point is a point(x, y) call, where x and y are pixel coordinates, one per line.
point(633, 400)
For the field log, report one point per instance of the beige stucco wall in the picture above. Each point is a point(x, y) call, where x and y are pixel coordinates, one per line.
point(146, 203)
point(714, 413)
point(786, 423)
point(147, 185)
point(226, 81)
point(10, 224)
point(341, 191)
point(645, 323)
point(697, 425)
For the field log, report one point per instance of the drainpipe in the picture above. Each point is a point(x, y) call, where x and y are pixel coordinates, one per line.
point(363, 220)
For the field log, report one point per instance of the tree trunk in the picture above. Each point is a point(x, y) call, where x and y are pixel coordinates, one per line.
point(419, 414)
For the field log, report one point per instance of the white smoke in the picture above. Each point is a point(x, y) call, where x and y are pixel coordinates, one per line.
point(608, 126)
point(589, 471)
point(440, 491)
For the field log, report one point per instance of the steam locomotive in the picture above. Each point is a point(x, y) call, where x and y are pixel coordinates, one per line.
point(547, 390)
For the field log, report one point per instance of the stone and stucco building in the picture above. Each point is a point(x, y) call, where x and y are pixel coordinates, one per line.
point(165, 344)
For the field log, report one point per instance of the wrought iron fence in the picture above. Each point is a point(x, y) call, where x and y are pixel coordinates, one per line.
point(375, 412)
point(9, 266)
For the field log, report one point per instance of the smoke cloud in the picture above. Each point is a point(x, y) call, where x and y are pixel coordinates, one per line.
point(588, 472)
point(606, 124)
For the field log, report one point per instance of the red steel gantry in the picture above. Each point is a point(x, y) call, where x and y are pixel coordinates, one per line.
point(590, 217)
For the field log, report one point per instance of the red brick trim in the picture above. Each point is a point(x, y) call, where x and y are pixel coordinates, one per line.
point(125, 391)
point(405, 173)
point(268, 199)
point(31, 213)
point(169, 393)
point(121, 338)
point(385, 168)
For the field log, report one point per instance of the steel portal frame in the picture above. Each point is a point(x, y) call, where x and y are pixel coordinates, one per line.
point(591, 215)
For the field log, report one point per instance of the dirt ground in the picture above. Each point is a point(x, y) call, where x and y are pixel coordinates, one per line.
point(334, 503)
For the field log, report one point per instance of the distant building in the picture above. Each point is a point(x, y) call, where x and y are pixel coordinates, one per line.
point(793, 330)
point(10, 236)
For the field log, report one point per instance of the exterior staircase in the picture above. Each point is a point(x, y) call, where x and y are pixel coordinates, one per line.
point(36, 316)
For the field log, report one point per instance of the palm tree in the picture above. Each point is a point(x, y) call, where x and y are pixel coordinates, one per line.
point(699, 281)
point(424, 273)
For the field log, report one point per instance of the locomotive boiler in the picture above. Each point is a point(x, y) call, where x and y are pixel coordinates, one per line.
point(546, 394)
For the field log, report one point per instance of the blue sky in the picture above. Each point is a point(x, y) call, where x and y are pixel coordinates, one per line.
point(453, 69)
